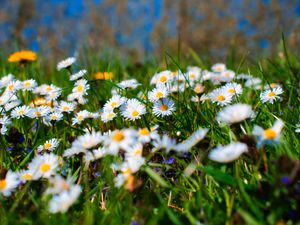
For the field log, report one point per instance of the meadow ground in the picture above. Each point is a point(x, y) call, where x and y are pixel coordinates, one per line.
point(99, 140)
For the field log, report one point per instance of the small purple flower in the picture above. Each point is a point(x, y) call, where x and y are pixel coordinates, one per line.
point(35, 125)
point(10, 149)
point(285, 180)
point(135, 223)
point(169, 161)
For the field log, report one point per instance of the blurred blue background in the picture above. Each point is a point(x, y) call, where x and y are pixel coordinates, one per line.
point(146, 27)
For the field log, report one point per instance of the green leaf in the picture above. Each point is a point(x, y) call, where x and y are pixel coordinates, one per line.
point(219, 175)
point(156, 177)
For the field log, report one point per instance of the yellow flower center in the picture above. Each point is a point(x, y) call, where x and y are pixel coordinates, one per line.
point(119, 136)
point(113, 104)
point(3, 184)
point(49, 88)
point(271, 94)
point(21, 112)
point(80, 117)
point(273, 85)
point(231, 90)
point(192, 76)
point(135, 113)
point(27, 84)
point(45, 167)
point(270, 134)
point(27, 176)
point(47, 146)
point(164, 108)
point(159, 94)
point(144, 132)
point(11, 87)
point(37, 113)
point(66, 108)
point(221, 98)
point(198, 89)
point(80, 88)
point(110, 115)
point(163, 79)
point(54, 117)
point(138, 152)
point(127, 171)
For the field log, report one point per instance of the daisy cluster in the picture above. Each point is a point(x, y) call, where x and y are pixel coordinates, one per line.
point(131, 147)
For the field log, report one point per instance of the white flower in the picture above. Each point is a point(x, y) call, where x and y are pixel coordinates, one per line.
point(233, 88)
point(157, 93)
point(131, 84)
point(133, 110)
point(59, 184)
point(29, 85)
point(114, 102)
point(66, 63)
point(9, 183)
point(254, 83)
point(235, 113)
point(297, 130)
point(197, 136)
point(269, 135)
point(43, 165)
point(49, 145)
point(25, 175)
point(165, 142)
point(80, 116)
point(228, 153)
point(164, 107)
point(163, 77)
point(218, 67)
point(63, 201)
point(6, 80)
point(227, 75)
point(145, 136)
point(13, 86)
point(78, 75)
point(21, 111)
point(107, 115)
point(271, 95)
point(220, 96)
point(40, 111)
point(66, 106)
point(84, 143)
point(55, 116)
point(81, 87)
point(120, 139)
point(4, 122)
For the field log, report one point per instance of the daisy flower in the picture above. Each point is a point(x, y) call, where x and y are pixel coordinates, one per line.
point(227, 75)
point(164, 107)
point(6, 80)
point(134, 151)
point(228, 153)
point(81, 87)
point(157, 93)
point(63, 201)
point(233, 88)
point(108, 115)
point(49, 145)
point(80, 116)
point(145, 135)
point(78, 75)
point(43, 165)
point(163, 77)
point(269, 135)
point(271, 95)
point(164, 142)
point(297, 130)
point(9, 183)
point(254, 83)
point(65, 63)
point(13, 86)
point(67, 107)
point(235, 113)
point(25, 175)
point(114, 102)
point(84, 143)
point(133, 110)
point(39, 111)
point(218, 67)
point(59, 184)
point(10, 105)
point(55, 116)
point(220, 96)
point(198, 89)
point(4, 122)
point(21, 111)
point(120, 139)
point(29, 85)
point(271, 85)
point(197, 136)
point(130, 84)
